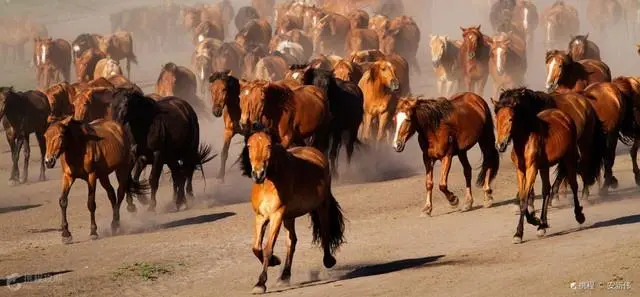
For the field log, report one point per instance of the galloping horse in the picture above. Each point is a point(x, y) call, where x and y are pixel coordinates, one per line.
point(508, 61)
point(288, 184)
point(629, 87)
point(447, 128)
point(540, 140)
point(379, 87)
point(565, 73)
point(444, 56)
point(91, 152)
point(525, 13)
point(23, 113)
point(560, 23)
point(474, 59)
point(580, 48)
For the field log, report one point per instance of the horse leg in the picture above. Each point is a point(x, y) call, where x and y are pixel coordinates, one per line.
point(610, 155)
point(228, 134)
point(115, 206)
point(466, 167)
point(275, 220)
point(383, 120)
point(178, 177)
point(481, 84)
point(15, 172)
point(91, 204)
point(67, 182)
point(573, 183)
point(530, 180)
point(366, 126)
point(546, 195)
point(522, 199)
point(633, 152)
point(154, 178)
point(428, 167)
point(43, 150)
point(11, 139)
point(444, 175)
point(27, 155)
point(292, 239)
point(353, 138)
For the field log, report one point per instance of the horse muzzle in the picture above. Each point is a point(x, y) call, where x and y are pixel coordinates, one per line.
point(217, 111)
point(259, 176)
point(502, 145)
point(399, 146)
point(50, 162)
point(436, 64)
point(394, 85)
point(552, 87)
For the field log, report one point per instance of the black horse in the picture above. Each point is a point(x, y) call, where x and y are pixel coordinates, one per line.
point(23, 113)
point(346, 107)
point(163, 132)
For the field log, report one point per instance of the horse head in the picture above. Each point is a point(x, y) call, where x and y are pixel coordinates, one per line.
point(556, 62)
point(472, 40)
point(224, 89)
point(405, 111)
point(383, 72)
point(257, 154)
point(438, 45)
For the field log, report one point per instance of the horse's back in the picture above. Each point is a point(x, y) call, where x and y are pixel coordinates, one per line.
point(469, 117)
point(310, 156)
point(577, 107)
point(606, 100)
point(561, 134)
point(113, 145)
point(597, 70)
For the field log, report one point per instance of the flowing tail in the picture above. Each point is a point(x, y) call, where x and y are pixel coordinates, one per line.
point(139, 189)
point(328, 224)
point(592, 167)
point(490, 155)
point(204, 156)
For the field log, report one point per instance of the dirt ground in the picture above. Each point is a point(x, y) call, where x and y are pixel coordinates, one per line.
point(390, 249)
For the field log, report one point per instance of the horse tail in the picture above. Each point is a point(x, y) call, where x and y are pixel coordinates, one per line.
point(132, 56)
point(628, 125)
point(490, 155)
point(598, 152)
point(328, 225)
point(203, 156)
point(140, 189)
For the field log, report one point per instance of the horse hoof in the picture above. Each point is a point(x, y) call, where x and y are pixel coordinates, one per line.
point(425, 214)
point(488, 203)
point(283, 283)
point(466, 207)
point(517, 240)
point(580, 218)
point(329, 261)
point(613, 183)
point(131, 208)
point(93, 236)
point(259, 289)
point(12, 182)
point(67, 239)
point(23, 181)
point(426, 211)
point(455, 202)
point(541, 232)
point(637, 177)
point(274, 261)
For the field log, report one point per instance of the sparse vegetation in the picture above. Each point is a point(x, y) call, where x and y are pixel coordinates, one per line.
point(146, 271)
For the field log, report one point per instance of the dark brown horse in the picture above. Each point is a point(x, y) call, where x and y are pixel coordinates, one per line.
point(61, 97)
point(629, 87)
point(119, 46)
point(580, 48)
point(565, 73)
point(85, 64)
point(228, 56)
point(289, 184)
point(447, 128)
point(93, 104)
point(163, 132)
point(55, 56)
point(181, 82)
point(91, 152)
point(540, 140)
point(23, 113)
point(474, 59)
point(85, 42)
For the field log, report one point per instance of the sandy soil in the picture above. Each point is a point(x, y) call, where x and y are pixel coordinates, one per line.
point(390, 250)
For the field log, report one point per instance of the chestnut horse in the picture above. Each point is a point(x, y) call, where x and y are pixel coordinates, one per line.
point(85, 42)
point(60, 97)
point(565, 73)
point(93, 104)
point(473, 59)
point(85, 64)
point(446, 128)
point(348, 71)
point(297, 116)
point(288, 184)
point(23, 113)
point(119, 46)
point(580, 48)
point(444, 56)
point(56, 56)
point(91, 152)
point(629, 87)
point(508, 62)
point(225, 101)
point(379, 87)
point(540, 140)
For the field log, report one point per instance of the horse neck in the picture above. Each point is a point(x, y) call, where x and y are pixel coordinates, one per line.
point(575, 71)
point(450, 54)
point(232, 103)
point(280, 164)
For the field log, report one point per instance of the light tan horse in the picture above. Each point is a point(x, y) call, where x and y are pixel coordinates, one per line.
point(379, 86)
point(508, 62)
point(289, 184)
point(92, 152)
point(444, 56)
point(107, 67)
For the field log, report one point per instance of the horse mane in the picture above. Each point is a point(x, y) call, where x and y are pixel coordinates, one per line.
point(245, 161)
point(526, 102)
point(565, 56)
point(321, 78)
point(298, 66)
point(279, 98)
point(431, 112)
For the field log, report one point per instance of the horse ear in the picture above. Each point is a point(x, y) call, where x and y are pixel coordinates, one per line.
point(478, 27)
point(462, 29)
point(586, 36)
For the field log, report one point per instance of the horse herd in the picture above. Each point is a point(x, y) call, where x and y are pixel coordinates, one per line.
point(324, 80)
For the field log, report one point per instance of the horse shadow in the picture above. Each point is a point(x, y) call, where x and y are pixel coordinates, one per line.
point(626, 220)
point(18, 208)
point(14, 280)
point(208, 218)
point(365, 270)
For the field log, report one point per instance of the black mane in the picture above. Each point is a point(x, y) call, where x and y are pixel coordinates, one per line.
point(431, 112)
point(525, 102)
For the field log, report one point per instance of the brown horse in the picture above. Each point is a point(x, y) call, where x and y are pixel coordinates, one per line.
point(225, 101)
point(348, 71)
point(254, 32)
point(565, 73)
point(540, 140)
point(56, 56)
point(359, 19)
point(603, 14)
point(93, 104)
point(361, 39)
point(271, 68)
point(288, 184)
point(85, 42)
point(447, 128)
point(250, 59)
point(23, 113)
point(228, 56)
point(61, 97)
point(297, 116)
point(629, 87)
point(207, 29)
point(91, 152)
point(379, 86)
point(330, 33)
point(560, 23)
point(444, 56)
point(119, 81)
point(580, 48)
point(119, 46)
point(609, 104)
point(85, 64)
point(508, 62)
point(473, 59)
point(402, 38)
point(525, 13)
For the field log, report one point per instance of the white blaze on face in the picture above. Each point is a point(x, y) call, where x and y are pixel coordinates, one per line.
point(550, 68)
point(548, 31)
point(295, 75)
point(76, 48)
point(200, 38)
point(525, 21)
point(43, 53)
point(202, 72)
point(400, 118)
point(499, 58)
